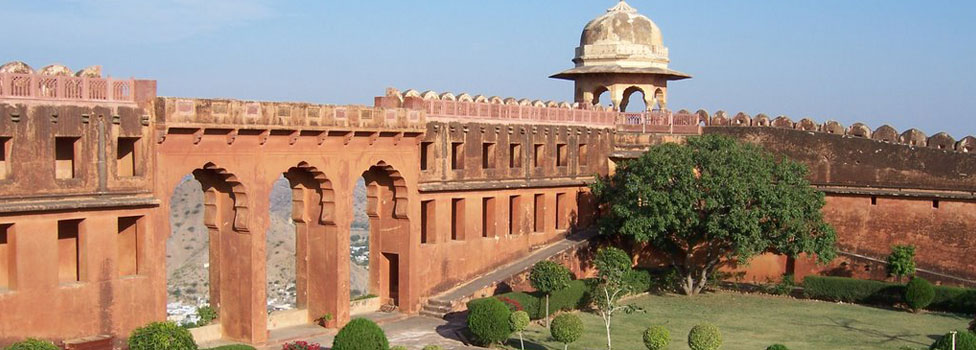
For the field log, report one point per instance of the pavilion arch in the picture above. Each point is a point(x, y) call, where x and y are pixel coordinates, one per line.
point(597, 93)
point(628, 93)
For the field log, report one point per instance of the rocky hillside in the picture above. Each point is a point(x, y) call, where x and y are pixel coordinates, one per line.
point(187, 258)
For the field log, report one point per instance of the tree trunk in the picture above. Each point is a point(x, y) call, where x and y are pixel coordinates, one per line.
point(547, 310)
point(609, 346)
point(521, 341)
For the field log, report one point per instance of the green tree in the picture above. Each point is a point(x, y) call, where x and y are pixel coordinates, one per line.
point(518, 321)
point(547, 277)
point(901, 261)
point(713, 200)
point(612, 265)
point(566, 329)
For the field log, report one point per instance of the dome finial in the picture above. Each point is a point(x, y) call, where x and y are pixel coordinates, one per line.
point(622, 6)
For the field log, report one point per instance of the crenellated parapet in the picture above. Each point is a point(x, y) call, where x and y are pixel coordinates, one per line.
point(450, 107)
point(884, 133)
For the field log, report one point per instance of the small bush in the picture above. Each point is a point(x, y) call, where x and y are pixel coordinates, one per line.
point(783, 287)
point(901, 261)
point(964, 341)
point(566, 328)
point(432, 347)
point(360, 334)
point(638, 281)
point(777, 347)
point(657, 338)
point(32, 344)
point(919, 293)
point(488, 321)
point(207, 315)
point(161, 336)
point(518, 321)
point(399, 347)
point(300, 345)
point(704, 336)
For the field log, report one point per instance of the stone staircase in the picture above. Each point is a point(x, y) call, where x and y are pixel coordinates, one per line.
point(453, 300)
point(437, 308)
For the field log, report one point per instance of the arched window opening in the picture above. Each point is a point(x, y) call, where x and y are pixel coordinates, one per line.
point(633, 101)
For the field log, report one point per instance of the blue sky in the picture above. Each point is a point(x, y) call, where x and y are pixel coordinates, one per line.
point(905, 63)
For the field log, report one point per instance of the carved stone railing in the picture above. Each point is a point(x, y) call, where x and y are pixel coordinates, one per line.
point(65, 88)
point(659, 122)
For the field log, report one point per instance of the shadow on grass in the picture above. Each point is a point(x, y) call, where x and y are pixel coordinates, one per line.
point(529, 345)
point(850, 325)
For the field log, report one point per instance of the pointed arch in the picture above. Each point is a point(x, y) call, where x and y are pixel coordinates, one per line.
point(238, 193)
point(399, 188)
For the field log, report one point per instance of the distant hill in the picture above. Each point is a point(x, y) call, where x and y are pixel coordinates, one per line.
point(187, 253)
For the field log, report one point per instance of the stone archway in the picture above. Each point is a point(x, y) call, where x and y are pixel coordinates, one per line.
point(228, 265)
point(315, 273)
point(389, 226)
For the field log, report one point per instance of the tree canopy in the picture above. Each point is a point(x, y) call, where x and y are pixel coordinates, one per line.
point(714, 200)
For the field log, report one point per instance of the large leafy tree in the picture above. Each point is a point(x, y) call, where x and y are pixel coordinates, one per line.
point(713, 200)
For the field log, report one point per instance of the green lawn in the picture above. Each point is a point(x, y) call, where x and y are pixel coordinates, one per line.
point(754, 322)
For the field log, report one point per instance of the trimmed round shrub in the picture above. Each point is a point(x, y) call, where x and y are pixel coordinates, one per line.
point(919, 293)
point(360, 334)
point(32, 344)
point(777, 347)
point(518, 321)
point(965, 340)
point(704, 336)
point(657, 337)
point(566, 328)
point(161, 336)
point(488, 321)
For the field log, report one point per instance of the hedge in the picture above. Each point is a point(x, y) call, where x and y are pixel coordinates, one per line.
point(851, 290)
point(570, 298)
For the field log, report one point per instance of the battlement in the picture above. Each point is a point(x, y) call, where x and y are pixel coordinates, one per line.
point(449, 107)
point(885, 133)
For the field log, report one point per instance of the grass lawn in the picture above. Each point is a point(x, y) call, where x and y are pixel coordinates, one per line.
point(753, 322)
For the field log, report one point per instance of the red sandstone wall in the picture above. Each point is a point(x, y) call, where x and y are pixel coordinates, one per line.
point(102, 302)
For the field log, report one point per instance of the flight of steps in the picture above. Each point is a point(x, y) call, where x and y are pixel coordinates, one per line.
point(447, 302)
point(436, 308)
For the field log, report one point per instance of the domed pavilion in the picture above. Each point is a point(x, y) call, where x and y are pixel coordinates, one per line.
point(621, 52)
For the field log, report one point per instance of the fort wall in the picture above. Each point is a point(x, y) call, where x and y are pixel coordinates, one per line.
point(881, 193)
